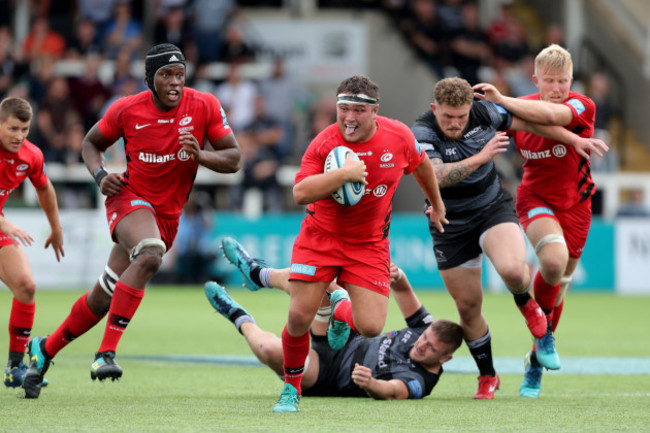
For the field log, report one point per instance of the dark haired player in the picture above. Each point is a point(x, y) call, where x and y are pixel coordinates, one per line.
point(343, 242)
point(21, 160)
point(169, 131)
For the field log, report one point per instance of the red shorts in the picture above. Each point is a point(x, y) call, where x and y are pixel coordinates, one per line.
point(575, 221)
point(119, 206)
point(318, 256)
point(5, 240)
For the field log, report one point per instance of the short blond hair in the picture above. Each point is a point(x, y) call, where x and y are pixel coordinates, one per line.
point(553, 57)
point(453, 91)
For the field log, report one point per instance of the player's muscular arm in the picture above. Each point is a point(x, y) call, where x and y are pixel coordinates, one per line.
point(319, 186)
point(377, 388)
point(451, 173)
point(544, 112)
point(222, 156)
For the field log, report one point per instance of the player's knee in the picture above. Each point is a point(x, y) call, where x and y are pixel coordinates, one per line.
point(298, 322)
point(514, 276)
point(369, 329)
point(25, 289)
point(468, 308)
point(269, 352)
point(149, 260)
point(552, 266)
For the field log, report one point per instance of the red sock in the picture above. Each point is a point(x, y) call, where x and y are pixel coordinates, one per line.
point(295, 351)
point(80, 320)
point(123, 306)
point(557, 312)
point(343, 313)
point(545, 294)
point(21, 321)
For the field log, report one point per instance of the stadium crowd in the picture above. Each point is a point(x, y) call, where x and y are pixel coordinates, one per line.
point(446, 34)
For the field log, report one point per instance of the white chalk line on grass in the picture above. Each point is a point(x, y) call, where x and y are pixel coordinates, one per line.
point(504, 365)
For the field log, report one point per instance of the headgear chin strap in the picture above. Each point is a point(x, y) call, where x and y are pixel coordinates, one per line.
point(158, 57)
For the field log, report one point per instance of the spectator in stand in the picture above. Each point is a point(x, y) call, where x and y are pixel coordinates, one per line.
point(42, 41)
point(171, 27)
point(235, 48)
point(209, 20)
point(54, 112)
point(288, 95)
point(470, 48)
point(85, 42)
point(10, 69)
point(450, 15)
point(423, 31)
point(122, 30)
point(201, 80)
point(99, 12)
point(520, 79)
point(509, 51)
point(598, 91)
point(89, 94)
point(60, 15)
point(237, 95)
point(260, 143)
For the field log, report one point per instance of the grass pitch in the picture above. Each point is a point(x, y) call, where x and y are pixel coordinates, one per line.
point(171, 396)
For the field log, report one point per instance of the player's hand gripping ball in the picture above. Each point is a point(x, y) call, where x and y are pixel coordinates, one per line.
point(349, 193)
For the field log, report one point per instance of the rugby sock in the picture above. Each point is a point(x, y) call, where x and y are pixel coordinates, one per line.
point(265, 277)
point(21, 321)
point(123, 306)
point(238, 317)
point(295, 351)
point(545, 294)
point(521, 299)
point(481, 351)
point(343, 313)
point(80, 320)
point(557, 312)
point(255, 275)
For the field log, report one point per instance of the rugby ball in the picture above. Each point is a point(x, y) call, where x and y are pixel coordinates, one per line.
point(349, 193)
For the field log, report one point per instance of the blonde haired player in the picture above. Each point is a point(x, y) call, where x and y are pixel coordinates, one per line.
point(554, 198)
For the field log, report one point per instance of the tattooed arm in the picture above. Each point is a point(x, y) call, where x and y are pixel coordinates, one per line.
point(451, 173)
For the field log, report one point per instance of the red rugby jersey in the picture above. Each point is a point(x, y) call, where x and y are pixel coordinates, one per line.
point(158, 170)
point(389, 154)
point(554, 171)
point(16, 167)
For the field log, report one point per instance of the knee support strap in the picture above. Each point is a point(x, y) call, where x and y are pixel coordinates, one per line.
point(107, 280)
point(148, 242)
point(549, 239)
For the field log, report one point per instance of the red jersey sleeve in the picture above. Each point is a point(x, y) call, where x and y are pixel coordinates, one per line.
point(584, 114)
point(218, 126)
point(110, 125)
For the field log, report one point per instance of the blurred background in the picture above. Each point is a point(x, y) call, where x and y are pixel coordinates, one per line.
point(275, 66)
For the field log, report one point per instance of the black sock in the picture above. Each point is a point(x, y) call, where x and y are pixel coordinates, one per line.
point(255, 275)
point(481, 351)
point(15, 358)
point(521, 298)
point(240, 316)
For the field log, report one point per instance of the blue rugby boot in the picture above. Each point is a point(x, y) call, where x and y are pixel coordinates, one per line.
point(338, 331)
point(531, 386)
point(545, 351)
point(288, 401)
point(237, 255)
point(225, 305)
point(104, 367)
point(14, 375)
point(39, 362)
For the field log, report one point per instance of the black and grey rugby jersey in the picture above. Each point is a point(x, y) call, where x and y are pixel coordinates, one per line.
point(482, 187)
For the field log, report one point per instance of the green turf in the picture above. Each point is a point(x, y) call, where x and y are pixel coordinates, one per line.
point(158, 396)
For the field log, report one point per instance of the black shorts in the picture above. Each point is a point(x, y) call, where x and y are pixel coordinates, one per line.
point(460, 242)
point(329, 362)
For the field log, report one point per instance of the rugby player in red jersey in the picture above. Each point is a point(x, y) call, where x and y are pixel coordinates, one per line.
point(20, 160)
point(554, 198)
point(169, 131)
point(348, 243)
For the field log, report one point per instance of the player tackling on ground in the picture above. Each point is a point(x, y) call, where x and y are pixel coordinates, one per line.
point(169, 132)
point(348, 243)
point(554, 197)
point(397, 365)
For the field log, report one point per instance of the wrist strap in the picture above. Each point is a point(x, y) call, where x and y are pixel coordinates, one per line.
point(99, 173)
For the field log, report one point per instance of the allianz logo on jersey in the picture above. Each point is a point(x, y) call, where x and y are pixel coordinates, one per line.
point(559, 151)
point(153, 158)
point(4, 192)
